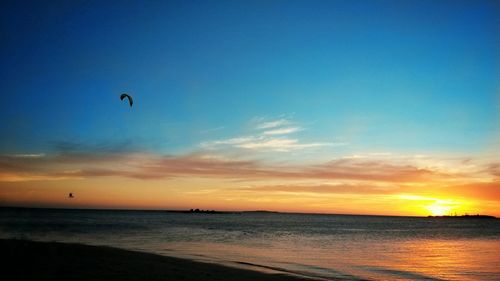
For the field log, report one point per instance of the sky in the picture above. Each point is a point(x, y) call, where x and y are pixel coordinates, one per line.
point(350, 107)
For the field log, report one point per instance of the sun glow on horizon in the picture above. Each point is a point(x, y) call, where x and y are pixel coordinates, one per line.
point(438, 209)
point(449, 207)
point(438, 206)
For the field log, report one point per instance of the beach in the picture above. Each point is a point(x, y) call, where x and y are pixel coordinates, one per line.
point(29, 260)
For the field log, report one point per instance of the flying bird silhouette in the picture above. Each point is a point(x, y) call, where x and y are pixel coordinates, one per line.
point(70, 195)
point(130, 100)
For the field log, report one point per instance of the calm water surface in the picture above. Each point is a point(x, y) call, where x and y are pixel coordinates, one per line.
point(326, 247)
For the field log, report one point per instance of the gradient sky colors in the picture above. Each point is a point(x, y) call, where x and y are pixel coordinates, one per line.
point(371, 107)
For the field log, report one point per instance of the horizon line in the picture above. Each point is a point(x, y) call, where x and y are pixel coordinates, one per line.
point(233, 211)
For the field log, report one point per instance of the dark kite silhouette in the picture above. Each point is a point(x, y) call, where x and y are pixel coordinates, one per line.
point(130, 100)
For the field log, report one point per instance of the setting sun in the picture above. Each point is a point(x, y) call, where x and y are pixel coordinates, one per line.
point(438, 209)
point(448, 207)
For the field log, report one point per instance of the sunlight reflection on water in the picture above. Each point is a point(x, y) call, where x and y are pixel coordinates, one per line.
point(420, 259)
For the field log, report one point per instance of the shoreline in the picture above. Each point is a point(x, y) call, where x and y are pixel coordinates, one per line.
point(32, 260)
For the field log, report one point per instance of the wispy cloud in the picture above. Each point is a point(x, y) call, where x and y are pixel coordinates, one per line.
point(494, 169)
point(263, 143)
point(231, 141)
point(282, 131)
point(325, 188)
point(32, 155)
point(279, 144)
point(269, 136)
point(272, 124)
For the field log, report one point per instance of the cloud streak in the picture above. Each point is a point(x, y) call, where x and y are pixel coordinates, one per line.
point(245, 178)
point(269, 136)
point(282, 131)
point(273, 124)
point(149, 166)
point(341, 188)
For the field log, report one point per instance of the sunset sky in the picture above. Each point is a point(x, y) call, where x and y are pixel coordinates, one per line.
point(354, 107)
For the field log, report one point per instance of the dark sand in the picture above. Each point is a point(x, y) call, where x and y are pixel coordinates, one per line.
point(28, 260)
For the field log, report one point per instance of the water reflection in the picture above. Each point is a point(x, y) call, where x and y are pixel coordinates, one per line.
point(333, 247)
point(388, 260)
point(446, 259)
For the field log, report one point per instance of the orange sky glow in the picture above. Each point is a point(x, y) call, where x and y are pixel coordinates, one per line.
point(413, 186)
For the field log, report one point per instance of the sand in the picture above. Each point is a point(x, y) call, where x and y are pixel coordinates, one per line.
point(28, 260)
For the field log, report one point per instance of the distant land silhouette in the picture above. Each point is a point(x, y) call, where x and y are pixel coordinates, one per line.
point(464, 217)
point(199, 211)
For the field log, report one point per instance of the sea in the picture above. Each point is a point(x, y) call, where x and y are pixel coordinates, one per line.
point(319, 246)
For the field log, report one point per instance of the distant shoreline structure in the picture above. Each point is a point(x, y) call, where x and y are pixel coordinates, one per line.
point(464, 217)
point(198, 211)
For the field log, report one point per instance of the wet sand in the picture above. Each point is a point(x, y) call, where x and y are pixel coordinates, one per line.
point(28, 260)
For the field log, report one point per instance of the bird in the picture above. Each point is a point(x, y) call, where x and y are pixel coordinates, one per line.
point(70, 195)
point(130, 100)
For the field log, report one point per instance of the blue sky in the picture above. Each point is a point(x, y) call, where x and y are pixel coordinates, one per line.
point(411, 76)
point(366, 107)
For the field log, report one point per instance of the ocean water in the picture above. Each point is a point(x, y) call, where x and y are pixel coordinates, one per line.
point(328, 247)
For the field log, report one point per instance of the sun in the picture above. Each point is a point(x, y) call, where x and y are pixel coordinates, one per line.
point(439, 206)
point(438, 209)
